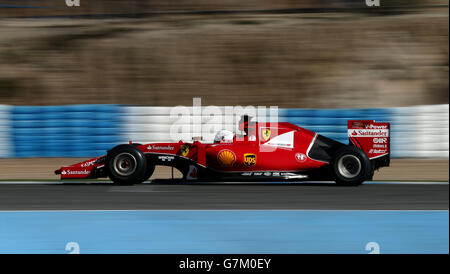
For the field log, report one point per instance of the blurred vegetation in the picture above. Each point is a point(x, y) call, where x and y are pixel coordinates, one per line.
point(7, 88)
point(289, 60)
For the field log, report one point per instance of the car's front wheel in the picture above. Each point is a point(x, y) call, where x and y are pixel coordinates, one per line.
point(148, 172)
point(350, 166)
point(126, 165)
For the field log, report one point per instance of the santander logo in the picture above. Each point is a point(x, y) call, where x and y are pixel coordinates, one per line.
point(368, 132)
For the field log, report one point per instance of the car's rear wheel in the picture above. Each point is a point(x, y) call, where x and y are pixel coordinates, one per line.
point(350, 166)
point(372, 172)
point(126, 165)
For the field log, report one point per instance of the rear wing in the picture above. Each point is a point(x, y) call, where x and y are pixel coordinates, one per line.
point(373, 138)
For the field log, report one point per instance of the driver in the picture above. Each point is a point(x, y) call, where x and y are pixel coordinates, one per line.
point(224, 136)
point(245, 124)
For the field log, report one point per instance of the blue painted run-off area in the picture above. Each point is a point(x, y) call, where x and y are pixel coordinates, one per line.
point(246, 231)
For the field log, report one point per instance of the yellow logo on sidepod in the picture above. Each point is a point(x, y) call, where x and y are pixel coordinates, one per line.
point(249, 159)
point(266, 134)
point(184, 150)
point(226, 157)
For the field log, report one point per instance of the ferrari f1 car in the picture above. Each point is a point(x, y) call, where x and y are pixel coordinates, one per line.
point(262, 151)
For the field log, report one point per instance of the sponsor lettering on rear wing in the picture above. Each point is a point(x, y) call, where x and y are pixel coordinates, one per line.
point(370, 136)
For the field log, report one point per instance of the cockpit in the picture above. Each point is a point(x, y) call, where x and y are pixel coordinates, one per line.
point(245, 126)
point(224, 136)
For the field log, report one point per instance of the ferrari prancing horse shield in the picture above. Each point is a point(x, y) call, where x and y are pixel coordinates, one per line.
point(184, 150)
point(266, 134)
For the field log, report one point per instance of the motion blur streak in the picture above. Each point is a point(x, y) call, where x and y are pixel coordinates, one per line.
point(247, 231)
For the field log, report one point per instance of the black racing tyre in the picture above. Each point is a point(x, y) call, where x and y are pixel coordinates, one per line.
point(126, 165)
point(350, 166)
point(371, 173)
point(150, 167)
point(148, 172)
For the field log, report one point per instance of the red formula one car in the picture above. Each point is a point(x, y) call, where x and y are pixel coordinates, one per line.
point(263, 151)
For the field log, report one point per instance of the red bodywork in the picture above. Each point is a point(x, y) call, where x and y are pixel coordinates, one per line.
point(278, 147)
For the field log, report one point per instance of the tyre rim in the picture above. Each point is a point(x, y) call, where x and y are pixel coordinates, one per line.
point(124, 164)
point(349, 166)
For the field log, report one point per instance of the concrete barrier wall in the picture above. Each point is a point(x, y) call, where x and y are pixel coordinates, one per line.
point(63, 131)
point(89, 130)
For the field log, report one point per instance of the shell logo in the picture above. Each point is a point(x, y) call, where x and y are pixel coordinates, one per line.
point(226, 157)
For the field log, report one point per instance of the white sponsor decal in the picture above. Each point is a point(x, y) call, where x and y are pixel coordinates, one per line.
point(160, 147)
point(379, 146)
point(300, 157)
point(287, 175)
point(371, 126)
point(166, 158)
point(368, 132)
point(282, 140)
point(377, 151)
point(380, 140)
point(90, 163)
point(75, 172)
point(290, 175)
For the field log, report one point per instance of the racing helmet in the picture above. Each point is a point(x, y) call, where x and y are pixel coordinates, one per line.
point(224, 136)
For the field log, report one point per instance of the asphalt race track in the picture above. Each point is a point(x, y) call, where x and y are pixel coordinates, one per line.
point(164, 194)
